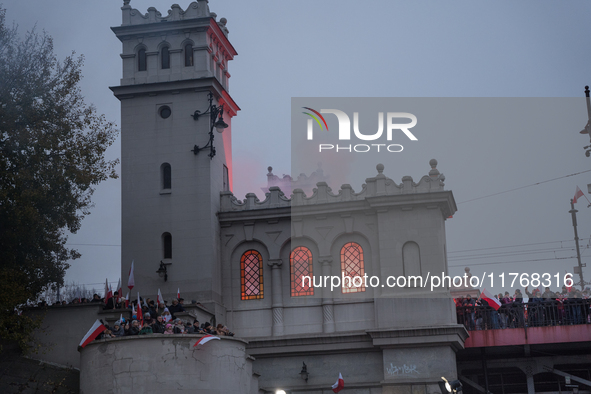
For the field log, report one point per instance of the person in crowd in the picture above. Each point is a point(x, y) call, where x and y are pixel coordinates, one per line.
point(108, 334)
point(148, 318)
point(469, 312)
point(135, 328)
point(166, 315)
point(152, 308)
point(168, 329)
point(535, 317)
point(223, 331)
point(175, 308)
point(117, 300)
point(518, 309)
point(110, 304)
point(178, 327)
point(227, 332)
point(146, 329)
point(158, 325)
point(208, 329)
point(118, 330)
point(96, 298)
point(195, 329)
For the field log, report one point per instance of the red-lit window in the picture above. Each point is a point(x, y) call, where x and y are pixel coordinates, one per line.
point(251, 275)
point(352, 266)
point(300, 264)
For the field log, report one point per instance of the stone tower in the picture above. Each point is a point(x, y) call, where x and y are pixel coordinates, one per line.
point(173, 66)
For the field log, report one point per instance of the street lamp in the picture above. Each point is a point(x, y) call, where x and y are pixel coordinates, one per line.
point(162, 271)
point(587, 128)
point(214, 112)
point(446, 387)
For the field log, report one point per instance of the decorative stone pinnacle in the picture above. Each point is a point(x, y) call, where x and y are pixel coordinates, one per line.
point(434, 173)
point(126, 2)
point(380, 168)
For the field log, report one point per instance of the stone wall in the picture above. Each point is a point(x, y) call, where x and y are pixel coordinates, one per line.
point(166, 363)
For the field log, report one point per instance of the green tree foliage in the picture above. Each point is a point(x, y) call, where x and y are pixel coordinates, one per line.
point(52, 148)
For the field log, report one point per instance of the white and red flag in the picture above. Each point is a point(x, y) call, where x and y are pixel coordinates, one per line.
point(490, 299)
point(578, 193)
point(127, 300)
point(204, 339)
point(178, 294)
point(108, 291)
point(339, 385)
point(131, 280)
point(140, 314)
point(94, 332)
point(160, 299)
point(119, 291)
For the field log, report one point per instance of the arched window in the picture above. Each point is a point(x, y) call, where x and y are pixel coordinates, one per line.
point(300, 265)
point(141, 60)
point(167, 245)
point(352, 266)
point(188, 55)
point(165, 58)
point(166, 176)
point(251, 275)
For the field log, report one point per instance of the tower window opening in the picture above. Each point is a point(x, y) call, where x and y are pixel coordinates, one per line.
point(165, 112)
point(166, 176)
point(141, 60)
point(226, 179)
point(165, 58)
point(188, 55)
point(167, 245)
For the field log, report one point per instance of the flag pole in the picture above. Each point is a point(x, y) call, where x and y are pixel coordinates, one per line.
point(573, 213)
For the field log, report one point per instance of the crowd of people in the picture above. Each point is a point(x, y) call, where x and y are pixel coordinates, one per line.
point(160, 326)
point(547, 308)
point(153, 319)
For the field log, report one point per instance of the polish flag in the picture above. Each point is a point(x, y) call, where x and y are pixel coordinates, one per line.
point(160, 299)
point(578, 193)
point(140, 314)
point(339, 385)
point(94, 332)
point(178, 294)
point(119, 291)
point(490, 299)
point(108, 291)
point(121, 319)
point(131, 280)
point(204, 339)
point(127, 300)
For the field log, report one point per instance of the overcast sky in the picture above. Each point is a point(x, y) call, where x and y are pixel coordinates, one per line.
point(343, 48)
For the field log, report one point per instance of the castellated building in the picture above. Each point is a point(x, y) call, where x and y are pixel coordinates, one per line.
point(242, 260)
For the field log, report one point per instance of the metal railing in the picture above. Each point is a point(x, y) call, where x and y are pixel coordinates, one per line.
point(541, 313)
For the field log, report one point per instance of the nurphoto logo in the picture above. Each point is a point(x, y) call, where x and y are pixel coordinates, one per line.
point(344, 130)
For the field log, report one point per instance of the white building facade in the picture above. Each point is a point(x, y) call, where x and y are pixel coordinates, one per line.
point(243, 260)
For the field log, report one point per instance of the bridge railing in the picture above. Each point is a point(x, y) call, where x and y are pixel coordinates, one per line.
point(541, 313)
